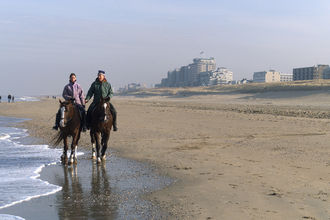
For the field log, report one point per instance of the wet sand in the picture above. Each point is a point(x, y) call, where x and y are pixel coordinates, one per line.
point(234, 156)
point(113, 190)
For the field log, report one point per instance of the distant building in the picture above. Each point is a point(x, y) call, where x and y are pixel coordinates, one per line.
point(220, 76)
point(309, 73)
point(244, 81)
point(132, 87)
point(267, 76)
point(199, 73)
point(286, 77)
point(326, 73)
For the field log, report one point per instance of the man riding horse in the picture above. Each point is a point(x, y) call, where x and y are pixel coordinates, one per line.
point(74, 91)
point(100, 88)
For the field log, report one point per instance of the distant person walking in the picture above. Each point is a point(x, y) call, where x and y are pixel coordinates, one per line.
point(12, 99)
point(9, 98)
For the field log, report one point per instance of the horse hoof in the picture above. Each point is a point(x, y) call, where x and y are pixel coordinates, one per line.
point(93, 155)
point(98, 160)
point(64, 160)
point(71, 161)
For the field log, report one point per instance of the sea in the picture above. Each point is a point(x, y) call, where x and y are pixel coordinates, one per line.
point(20, 165)
point(22, 99)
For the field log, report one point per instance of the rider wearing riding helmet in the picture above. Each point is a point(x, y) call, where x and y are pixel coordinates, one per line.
point(100, 88)
point(73, 91)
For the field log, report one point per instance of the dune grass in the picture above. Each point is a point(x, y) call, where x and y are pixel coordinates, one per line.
point(306, 85)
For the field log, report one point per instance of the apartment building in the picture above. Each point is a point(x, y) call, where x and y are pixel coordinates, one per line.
point(309, 73)
point(267, 76)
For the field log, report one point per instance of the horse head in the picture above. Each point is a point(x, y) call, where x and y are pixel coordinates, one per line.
point(67, 110)
point(103, 109)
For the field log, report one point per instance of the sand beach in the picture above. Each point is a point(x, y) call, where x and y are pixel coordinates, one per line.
point(232, 155)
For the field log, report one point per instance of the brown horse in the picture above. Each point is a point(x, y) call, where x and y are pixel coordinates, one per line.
point(70, 126)
point(101, 123)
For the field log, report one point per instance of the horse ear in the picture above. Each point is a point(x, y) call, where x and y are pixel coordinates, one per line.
point(60, 101)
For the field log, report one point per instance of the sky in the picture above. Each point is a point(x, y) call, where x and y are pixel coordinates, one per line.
point(138, 41)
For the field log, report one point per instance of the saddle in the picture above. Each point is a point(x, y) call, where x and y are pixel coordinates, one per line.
point(81, 111)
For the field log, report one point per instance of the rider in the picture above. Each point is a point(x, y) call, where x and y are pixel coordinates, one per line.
point(100, 88)
point(74, 91)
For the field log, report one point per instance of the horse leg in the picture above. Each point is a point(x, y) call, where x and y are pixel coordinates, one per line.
point(64, 157)
point(93, 145)
point(73, 155)
point(105, 139)
point(74, 146)
point(98, 146)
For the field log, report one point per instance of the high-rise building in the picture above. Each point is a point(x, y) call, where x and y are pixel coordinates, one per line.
point(200, 65)
point(201, 72)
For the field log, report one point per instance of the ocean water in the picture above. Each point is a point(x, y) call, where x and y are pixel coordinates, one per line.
point(21, 99)
point(20, 166)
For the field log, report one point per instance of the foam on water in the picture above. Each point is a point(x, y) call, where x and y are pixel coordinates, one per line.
point(20, 167)
point(27, 99)
point(10, 217)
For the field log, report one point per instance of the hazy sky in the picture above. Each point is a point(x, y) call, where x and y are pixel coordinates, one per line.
point(43, 41)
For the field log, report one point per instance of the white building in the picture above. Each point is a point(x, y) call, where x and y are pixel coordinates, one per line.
point(131, 87)
point(220, 76)
point(286, 77)
point(267, 76)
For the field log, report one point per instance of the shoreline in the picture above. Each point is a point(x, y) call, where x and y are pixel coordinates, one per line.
point(234, 156)
point(128, 200)
point(89, 187)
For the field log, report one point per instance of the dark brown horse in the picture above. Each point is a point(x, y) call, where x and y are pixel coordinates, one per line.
point(101, 123)
point(70, 126)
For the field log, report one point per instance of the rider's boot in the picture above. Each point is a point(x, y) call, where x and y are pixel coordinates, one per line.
point(88, 120)
point(114, 115)
point(115, 126)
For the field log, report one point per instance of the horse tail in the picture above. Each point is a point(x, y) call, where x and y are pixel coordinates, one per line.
point(57, 139)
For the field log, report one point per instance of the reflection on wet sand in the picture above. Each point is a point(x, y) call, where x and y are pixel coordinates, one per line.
point(103, 204)
point(76, 202)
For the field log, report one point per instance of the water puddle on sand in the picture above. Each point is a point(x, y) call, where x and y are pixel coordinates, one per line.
point(111, 190)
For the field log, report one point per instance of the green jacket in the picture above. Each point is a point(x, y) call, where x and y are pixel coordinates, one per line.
point(99, 89)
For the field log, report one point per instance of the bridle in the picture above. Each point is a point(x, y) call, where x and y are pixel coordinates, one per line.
point(103, 107)
point(62, 122)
